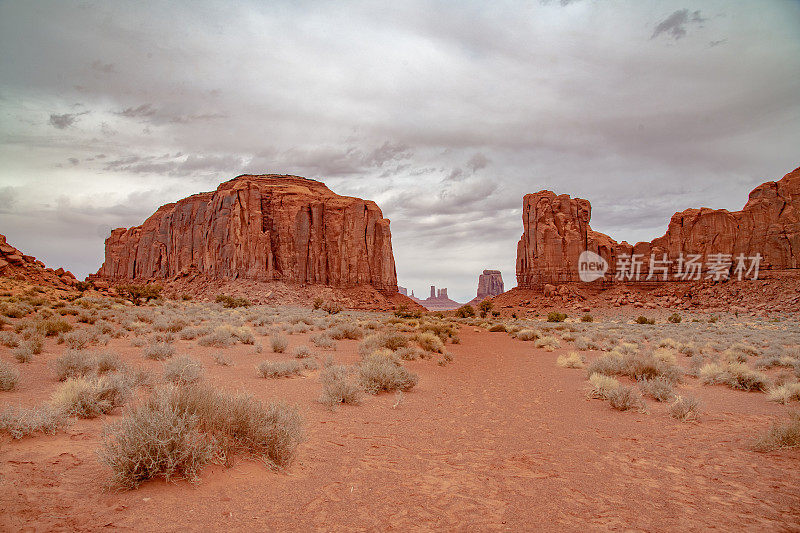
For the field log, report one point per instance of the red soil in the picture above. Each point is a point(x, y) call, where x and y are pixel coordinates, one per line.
point(499, 439)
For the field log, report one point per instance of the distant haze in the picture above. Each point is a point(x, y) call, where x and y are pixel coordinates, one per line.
point(444, 113)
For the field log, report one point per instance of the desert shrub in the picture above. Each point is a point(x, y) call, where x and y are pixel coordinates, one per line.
point(347, 331)
point(106, 362)
point(403, 312)
point(332, 308)
point(547, 342)
point(302, 351)
point(659, 388)
point(16, 310)
point(625, 398)
point(734, 375)
point(684, 408)
point(645, 320)
point(232, 302)
point(53, 326)
point(9, 377)
point(22, 422)
point(555, 316)
point(323, 340)
point(173, 324)
point(498, 328)
point(780, 435)
point(784, 393)
point(465, 311)
point(339, 386)
point(183, 370)
point(380, 374)
point(155, 439)
point(587, 318)
point(136, 293)
point(570, 360)
point(278, 343)
point(409, 353)
point(221, 359)
point(526, 335)
point(159, 351)
point(220, 337)
point(675, 318)
point(485, 307)
point(9, 339)
point(584, 343)
point(78, 339)
point(86, 397)
point(429, 342)
point(441, 329)
point(317, 302)
point(73, 364)
point(279, 369)
point(638, 366)
point(602, 386)
point(138, 342)
point(86, 317)
point(23, 353)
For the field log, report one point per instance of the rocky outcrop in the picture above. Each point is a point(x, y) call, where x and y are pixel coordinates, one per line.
point(490, 284)
point(556, 230)
point(17, 265)
point(265, 227)
point(437, 301)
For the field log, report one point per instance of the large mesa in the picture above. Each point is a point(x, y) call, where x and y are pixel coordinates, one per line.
point(260, 227)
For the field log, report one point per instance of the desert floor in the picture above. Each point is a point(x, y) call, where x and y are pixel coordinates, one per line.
point(501, 438)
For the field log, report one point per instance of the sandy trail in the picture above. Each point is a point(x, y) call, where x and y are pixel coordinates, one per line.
point(500, 439)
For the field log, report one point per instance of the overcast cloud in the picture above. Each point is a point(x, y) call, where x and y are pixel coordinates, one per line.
point(445, 113)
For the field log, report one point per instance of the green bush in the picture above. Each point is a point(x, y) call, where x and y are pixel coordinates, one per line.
point(645, 320)
point(232, 302)
point(485, 307)
point(136, 293)
point(465, 311)
point(587, 318)
point(555, 316)
point(675, 318)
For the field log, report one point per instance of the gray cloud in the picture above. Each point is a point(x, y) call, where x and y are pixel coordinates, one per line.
point(675, 24)
point(64, 121)
point(448, 117)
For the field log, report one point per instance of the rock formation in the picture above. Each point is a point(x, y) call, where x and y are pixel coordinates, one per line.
point(17, 265)
point(490, 283)
point(556, 230)
point(437, 301)
point(265, 227)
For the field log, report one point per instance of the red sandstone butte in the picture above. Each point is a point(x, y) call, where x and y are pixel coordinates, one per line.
point(264, 227)
point(556, 230)
point(17, 265)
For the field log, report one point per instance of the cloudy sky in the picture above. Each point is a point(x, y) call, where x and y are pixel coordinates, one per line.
point(445, 113)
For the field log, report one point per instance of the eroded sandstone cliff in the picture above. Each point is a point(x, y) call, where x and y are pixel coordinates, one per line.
point(264, 227)
point(556, 230)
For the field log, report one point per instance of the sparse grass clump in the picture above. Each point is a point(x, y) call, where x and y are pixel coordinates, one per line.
point(86, 397)
point(347, 331)
point(659, 388)
point(626, 398)
point(785, 435)
point(231, 302)
point(302, 352)
point(526, 335)
point(181, 429)
point(571, 360)
point(73, 364)
point(637, 365)
point(430, 342)
point(52, 327)
point(279, 369)
point(684, 408)
point(735, 375)
point(339, 386)
point(221, 337)
point(323, 340)
point(602, 386)
point(379, 374)
point(547, 342)
point(22, 422)
point(183, 370)
point(159, 351)
point(494, 328)
point(278, 343)
point(9, 377)
point(106, 362)
point(784, 393)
